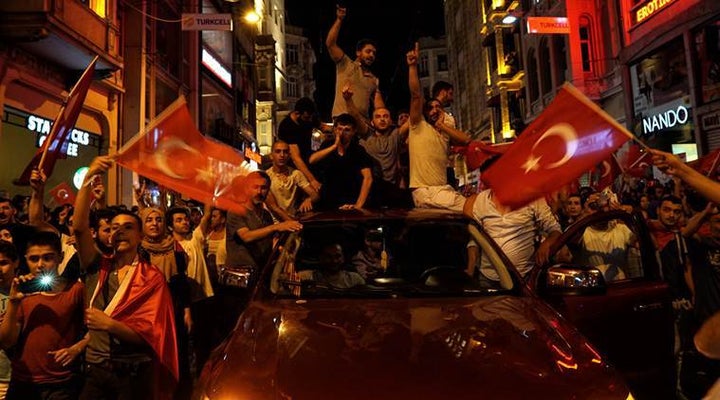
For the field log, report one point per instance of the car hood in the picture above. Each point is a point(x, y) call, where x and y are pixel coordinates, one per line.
point(498, 347)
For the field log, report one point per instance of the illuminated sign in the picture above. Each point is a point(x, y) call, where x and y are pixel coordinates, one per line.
point(207, 22)
point(665, 119)
point(648, 8)
point(548, 25)
point(70, 147)
point(216, 67)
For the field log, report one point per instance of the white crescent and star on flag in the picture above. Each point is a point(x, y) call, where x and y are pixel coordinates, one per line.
point(564, 131)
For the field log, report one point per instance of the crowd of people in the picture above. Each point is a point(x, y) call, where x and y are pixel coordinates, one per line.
point(111, 302)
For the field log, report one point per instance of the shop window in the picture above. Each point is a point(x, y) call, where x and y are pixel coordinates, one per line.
point(532, 78)
point(585, 44)
point(545, 67)
point(560, 55)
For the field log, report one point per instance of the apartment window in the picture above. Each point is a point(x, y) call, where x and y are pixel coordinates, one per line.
point(585, 44)
point(532, 78)
point(292, 54)
point(291, 88)
point(99, 7)
point(423, 66)
point(442, 62)
point(546, 83)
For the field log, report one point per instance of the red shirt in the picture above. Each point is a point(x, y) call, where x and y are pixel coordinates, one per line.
point(47, 323)
point(661, 233)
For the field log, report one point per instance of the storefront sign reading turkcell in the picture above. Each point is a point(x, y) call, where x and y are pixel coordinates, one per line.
point(668, 116)
point(207, 22)
point(42, 126)
point(647, 9)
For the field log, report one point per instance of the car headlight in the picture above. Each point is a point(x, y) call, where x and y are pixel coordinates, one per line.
point(235, 276)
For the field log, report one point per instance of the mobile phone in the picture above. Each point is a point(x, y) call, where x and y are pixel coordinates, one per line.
point(37, 284)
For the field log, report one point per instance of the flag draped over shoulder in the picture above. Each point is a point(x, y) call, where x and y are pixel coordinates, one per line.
point(569, 138)
point(144, 304)
point(52, 147)
point(173, 153)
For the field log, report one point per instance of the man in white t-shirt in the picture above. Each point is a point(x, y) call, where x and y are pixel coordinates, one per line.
point(288, 184)
point(428, 143)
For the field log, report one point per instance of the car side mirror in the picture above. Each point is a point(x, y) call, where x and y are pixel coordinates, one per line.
point(569, 279)
point(236, 276)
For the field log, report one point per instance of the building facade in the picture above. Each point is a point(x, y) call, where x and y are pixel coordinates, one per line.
point(44, 47)
point(300, 60)
point(433, 63)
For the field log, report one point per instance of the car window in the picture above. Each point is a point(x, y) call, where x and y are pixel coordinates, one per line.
point(385, 258)
point(610, 246)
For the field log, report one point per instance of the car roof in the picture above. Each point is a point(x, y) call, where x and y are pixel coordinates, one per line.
point(363, 215)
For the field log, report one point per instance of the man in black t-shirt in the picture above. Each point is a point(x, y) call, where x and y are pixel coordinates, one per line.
point(346, 167)
point(296, 129)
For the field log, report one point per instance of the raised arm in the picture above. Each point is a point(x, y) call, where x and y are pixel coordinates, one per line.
point(300, 165)
point(319, 155)
point(456, 135)
point(247, 235)
point(416, 96)
point(363, 126)
point(378, 101)
point(672, 165)
point(335, 51)
point(36, 212)
point(87, 252)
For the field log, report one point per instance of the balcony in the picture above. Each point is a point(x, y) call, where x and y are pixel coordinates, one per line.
point(66, 32)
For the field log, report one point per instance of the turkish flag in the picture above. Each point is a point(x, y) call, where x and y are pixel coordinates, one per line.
point(605, 173)
point(63, 194)
point(569, 138)
point(477, 152)
point(173, 153)
point(634, 162)
point(54, 145)
point(145, 306)
point(707, 164)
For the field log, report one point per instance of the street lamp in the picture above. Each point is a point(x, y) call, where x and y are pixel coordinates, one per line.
point(509, 19)
point(251, 17)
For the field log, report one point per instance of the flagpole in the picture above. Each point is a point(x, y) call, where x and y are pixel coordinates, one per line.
point(46, 145)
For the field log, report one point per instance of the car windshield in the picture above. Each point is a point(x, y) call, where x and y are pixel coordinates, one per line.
point(387, 258)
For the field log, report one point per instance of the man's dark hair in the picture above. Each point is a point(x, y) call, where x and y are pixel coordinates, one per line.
point(427, 106)
point(18, 200)
point(45, 238)
point(305, 105)
point(264, 175)
point(6, 200)
point(98, 215)
point(277, 142)
point(345, 119)
point(439, 86)
point(672, 199)
point(365, 42)
point(8, 250)
point(170, 214)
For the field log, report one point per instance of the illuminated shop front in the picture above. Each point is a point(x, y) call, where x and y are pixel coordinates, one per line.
point(661, 100)
point(22, 135)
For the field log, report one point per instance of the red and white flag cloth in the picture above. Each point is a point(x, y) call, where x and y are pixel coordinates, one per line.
point(173, 153)
point(707, 164)
point(605, 173)
point(569, 138)
point(63, 194)
point(477, 152)
point(52, 147)
point(634, 162)
point(143, 303)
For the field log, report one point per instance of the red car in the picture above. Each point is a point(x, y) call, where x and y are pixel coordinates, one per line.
point(365, 305)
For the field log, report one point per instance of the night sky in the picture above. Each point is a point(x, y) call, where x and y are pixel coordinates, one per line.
point(393, 24)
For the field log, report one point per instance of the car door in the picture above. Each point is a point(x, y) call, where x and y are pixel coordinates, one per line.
point(631, 321)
